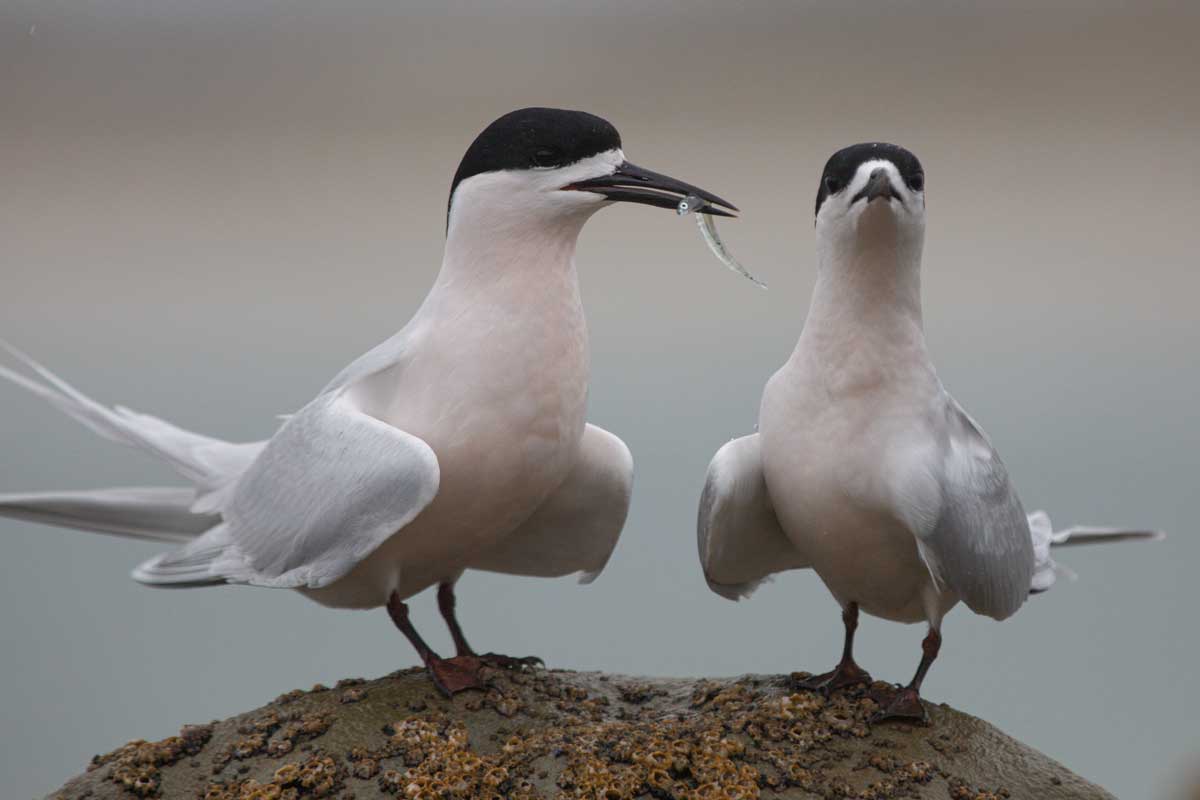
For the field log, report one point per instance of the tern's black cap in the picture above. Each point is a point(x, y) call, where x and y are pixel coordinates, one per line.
point(842, 165)
point(536, 137)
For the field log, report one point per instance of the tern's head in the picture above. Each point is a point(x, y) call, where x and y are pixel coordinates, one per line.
point(871, 195)
point(546, 165)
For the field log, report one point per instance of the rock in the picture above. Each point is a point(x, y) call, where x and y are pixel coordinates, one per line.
point(560, 734)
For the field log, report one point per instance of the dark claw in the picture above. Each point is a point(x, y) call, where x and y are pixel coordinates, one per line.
point(510, 662)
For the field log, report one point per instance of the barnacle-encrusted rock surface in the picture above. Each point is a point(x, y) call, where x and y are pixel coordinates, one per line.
point(557, 734)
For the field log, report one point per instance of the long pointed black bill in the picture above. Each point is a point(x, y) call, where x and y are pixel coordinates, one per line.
point(633, 184)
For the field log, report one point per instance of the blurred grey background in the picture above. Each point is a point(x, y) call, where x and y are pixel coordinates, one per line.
point(210, 206)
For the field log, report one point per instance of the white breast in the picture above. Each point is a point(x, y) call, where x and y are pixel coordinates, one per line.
point(495, 381)
point(838, 437)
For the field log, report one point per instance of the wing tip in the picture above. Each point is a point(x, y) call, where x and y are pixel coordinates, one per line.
point(148, 574)
point(735, 591)
point(1085, 534)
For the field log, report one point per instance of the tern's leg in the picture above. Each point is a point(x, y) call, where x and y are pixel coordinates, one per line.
point(449, 675)
point(446, 604)
point(846, 673)
point(906, 703)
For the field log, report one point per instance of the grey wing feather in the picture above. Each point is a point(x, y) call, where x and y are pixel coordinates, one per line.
point(981, 545)
point(159, 514)
point(330, 487)
point(740, 540)
point(204, 561)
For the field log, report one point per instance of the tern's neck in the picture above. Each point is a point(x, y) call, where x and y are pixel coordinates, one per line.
point(868, 294)
point(489, 250)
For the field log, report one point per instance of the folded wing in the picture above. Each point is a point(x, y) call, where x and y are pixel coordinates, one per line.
point(981, 545)
point(576, 528)
point(330, 487)
point(740, 540)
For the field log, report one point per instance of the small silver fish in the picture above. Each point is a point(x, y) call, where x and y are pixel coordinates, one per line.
point(708, 229)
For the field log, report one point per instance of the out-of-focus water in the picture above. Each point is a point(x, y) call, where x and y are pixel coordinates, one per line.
point(209, 208)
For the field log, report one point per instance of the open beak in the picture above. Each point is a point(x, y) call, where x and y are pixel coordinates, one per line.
point(878, 185)
point(633, 184)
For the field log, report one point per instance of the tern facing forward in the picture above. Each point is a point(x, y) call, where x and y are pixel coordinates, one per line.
point(864, 468)
point(459, 443)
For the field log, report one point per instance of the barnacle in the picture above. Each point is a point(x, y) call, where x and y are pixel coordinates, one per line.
point(883, 763)
point(838, 720)
point(280, 746)
point(289, 697)
point(391, 781)
point(637, 693)
point(353, 695)
point(880, 791)
point(740, 740)
point(495, 776)
point(314, 724)
point(317, 777)
point(142, 780)
point(921, 771)
point(135, 766)
point(659, 779)
point(268, 791)
point(507, 706)
point(248, 746)
point(267, 722)
point(288, 773)
point(960, 791)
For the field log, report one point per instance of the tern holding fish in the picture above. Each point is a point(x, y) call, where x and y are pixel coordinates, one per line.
point(708, 230)
point(459, 443)
point(864, 468)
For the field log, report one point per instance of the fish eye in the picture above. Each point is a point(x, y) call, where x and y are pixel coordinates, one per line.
point(832, 184)
point(545, 157)
point(916, 182)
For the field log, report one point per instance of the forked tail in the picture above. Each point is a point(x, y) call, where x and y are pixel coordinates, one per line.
point(1046, 570)
point(155, 513)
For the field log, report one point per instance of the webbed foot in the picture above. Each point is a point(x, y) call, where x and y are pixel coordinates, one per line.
point(904, 704)
point(844, 674)
point(454, 675)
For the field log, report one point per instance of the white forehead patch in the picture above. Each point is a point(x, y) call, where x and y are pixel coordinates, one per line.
point(591, 167)
point(863, 174)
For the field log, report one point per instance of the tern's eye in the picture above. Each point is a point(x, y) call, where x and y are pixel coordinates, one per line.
point(832, 184)
point(545, 157)
point(916, 182)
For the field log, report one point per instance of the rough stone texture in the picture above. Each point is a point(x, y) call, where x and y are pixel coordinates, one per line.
point(557, 734)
